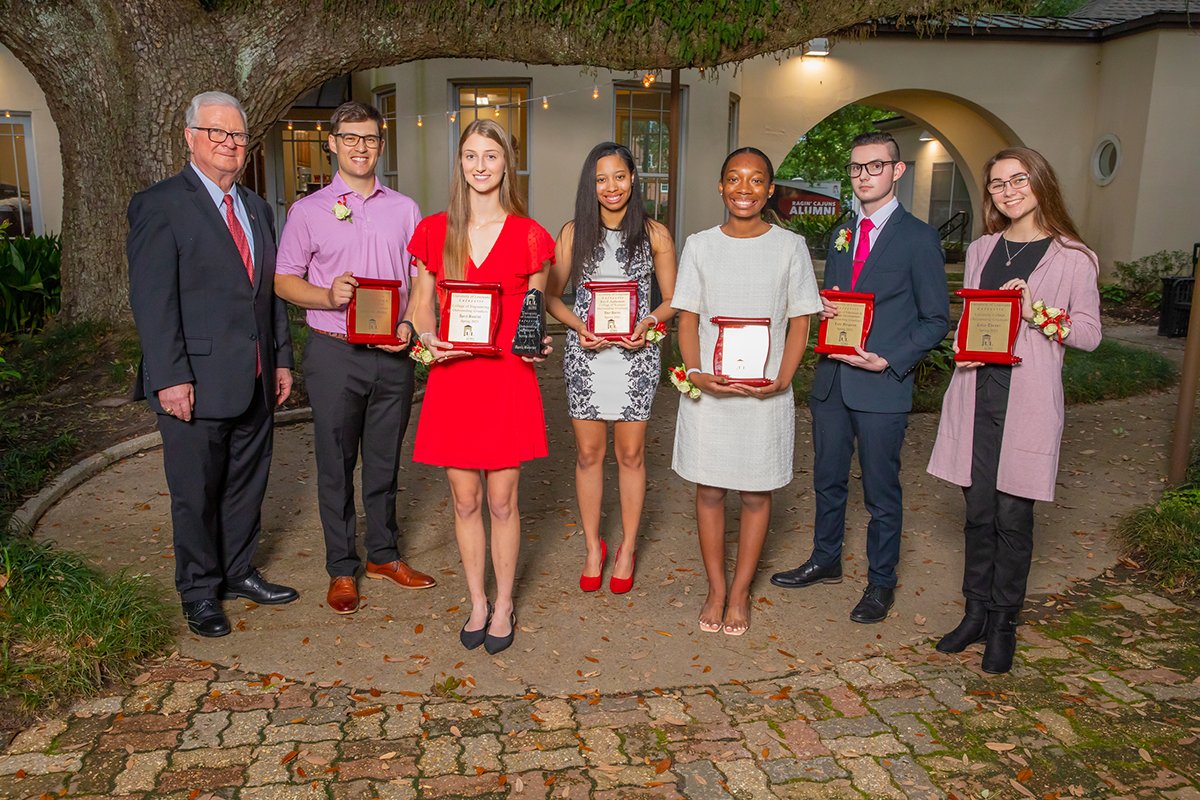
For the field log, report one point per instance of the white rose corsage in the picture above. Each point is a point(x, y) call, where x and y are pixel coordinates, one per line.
point(1054, 322)
point(679, 377)
point(843, 240)
point(656, 334)
point(341, 210)
point(420, 353)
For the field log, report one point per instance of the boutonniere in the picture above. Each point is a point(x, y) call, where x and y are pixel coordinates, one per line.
point(341, 210)
point(843, 240)
point(1054, 322)
point(656, 334)
point(678, 376)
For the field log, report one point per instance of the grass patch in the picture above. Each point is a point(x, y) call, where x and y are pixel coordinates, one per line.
point(44, 360)
point(1165, 537)
point(67, 629)
point(1114, 370)
point(26, 459)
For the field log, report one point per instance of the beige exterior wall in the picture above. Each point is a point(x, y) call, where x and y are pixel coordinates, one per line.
point(19, 92)
point(560, 137)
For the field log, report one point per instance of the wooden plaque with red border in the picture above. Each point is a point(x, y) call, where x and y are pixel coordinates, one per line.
point(373, 312)
point(470, 316)
point(850, 327)
point(612, 314)
point(989, 325)
point(743, 345)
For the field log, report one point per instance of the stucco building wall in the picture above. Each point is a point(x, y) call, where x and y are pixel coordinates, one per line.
point(19, 92)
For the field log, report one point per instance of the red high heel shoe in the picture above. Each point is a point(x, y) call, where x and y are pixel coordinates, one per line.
point(622, 585)
point(592, 583)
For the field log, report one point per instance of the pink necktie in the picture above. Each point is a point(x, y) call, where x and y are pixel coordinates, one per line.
point(243, 247)
point(863, 250)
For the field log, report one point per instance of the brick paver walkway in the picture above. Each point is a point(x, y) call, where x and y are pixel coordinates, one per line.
point(1103, 703)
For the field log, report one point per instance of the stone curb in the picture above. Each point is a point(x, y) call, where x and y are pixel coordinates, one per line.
point(26, 517)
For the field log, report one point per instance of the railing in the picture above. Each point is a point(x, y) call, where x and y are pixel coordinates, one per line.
point(960, 223)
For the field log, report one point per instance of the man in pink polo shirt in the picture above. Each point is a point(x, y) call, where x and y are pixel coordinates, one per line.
point(360, 395)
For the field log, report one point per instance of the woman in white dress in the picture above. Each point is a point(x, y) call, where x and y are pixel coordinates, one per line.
point(736, 436)
point(610, 240)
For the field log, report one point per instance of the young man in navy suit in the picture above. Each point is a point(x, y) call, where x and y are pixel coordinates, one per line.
point(867, 396)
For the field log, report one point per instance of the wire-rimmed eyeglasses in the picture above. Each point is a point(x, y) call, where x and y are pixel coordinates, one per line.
point(1016, 181)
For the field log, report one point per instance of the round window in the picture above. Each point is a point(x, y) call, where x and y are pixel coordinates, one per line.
point(1106, 159)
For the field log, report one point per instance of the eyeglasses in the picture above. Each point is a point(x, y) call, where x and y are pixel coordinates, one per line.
point(1016, 182)
point(217, 135)
point(872, 167)
point(352, 139)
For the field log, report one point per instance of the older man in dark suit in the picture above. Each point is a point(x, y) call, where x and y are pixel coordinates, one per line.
point(216, 357)
point(867, 396)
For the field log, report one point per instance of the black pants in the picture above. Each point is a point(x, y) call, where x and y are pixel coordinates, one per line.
point(361, 398)
point(217, 472)
point(880, 436)
point(999, 527)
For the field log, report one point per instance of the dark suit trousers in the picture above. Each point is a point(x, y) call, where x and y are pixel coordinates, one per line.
point(999, 527)
point(880, 437)
point(217, 472)
point(361, 397)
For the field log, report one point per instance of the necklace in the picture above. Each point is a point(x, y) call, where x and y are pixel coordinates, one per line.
point(1011, 256)
point(483, 225)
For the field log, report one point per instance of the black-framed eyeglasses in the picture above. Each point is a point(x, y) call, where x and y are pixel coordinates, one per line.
point(1016, 182)
point(872, 167)
point(218, 135)
point(352, 139)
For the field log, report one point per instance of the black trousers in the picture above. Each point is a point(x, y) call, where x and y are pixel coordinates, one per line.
point(217, 472)
point(880, 437)
point(361, 399)
point(999, 526)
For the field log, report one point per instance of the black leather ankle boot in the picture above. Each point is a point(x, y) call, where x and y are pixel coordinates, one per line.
point(971, 630)
point(1001, 642)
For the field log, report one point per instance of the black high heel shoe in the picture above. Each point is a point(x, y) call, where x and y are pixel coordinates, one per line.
point(494, 644)
point(472, 639)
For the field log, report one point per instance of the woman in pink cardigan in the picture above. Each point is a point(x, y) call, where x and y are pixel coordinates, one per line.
point(1031, 245)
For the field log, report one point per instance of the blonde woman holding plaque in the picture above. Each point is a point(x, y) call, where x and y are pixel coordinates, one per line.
point(1001, 426)
point(482, 414)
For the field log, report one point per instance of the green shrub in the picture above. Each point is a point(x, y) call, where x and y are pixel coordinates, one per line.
point(25, 461)
point(1143, 278)
point(66, 629)
point(30, 281)
point(1165, 537)
point(1113, 293)
point(46, 358)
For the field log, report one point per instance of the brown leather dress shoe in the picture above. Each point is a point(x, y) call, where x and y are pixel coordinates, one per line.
point(401, 574)
point(343, 595)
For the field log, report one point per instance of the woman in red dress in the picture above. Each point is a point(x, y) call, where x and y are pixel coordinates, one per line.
point(481, 414)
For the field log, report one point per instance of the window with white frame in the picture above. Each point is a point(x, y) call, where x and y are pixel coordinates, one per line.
point(18, 176)
point(643, 123)
point(504, 102)
point(385, 101)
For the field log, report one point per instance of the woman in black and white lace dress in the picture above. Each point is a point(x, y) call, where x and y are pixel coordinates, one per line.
point(611, 240)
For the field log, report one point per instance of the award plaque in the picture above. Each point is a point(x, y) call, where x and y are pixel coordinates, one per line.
point(851, 325)
point(743, 344)
point(988, 330)
point(531, 325)
point(470, 316)
point(373, 312)
point(613, 311)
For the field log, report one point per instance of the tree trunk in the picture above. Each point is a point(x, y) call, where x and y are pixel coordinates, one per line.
point(118, 74)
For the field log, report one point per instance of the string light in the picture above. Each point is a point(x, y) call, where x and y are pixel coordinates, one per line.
point(648, 79)
point(420, 123)
point(453, 115)
point(289, 124)
point(545, 102)
point(483, 101)
point(497, 109)
point(385, 124)
point(596, 92)
point(318, 126)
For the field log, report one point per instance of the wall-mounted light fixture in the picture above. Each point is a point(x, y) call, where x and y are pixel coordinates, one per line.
point(817, 47)
point(926, 136)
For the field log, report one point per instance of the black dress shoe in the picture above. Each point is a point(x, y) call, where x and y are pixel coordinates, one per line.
point(472, 639)
point(876, 602)
point(257, 590)
point(808, 574)
point(494, 644)
point(206, 618)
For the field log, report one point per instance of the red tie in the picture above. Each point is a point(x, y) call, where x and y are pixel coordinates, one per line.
point(243, 247)
point(863, 250)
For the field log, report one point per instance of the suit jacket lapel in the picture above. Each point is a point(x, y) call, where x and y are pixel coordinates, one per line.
point(256, 230)
point(881, 243)
point(216, 222)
